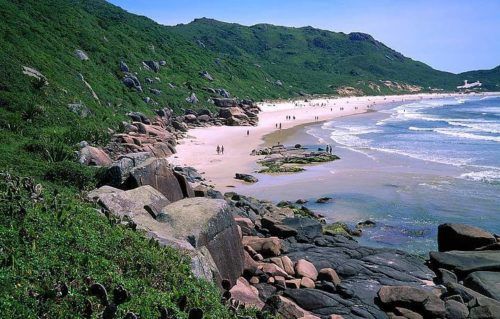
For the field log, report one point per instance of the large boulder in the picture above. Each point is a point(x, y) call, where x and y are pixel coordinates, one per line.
point(132, 205)
point(119, 171)
point(462, 237)
point(226, 102)
point(93, 156)
point(233, 112)
point(268, 247)
point(484, 282)
point(465, 262)
point(158, 173)
point(246, 294)
point(420, 300)
point(208, 223)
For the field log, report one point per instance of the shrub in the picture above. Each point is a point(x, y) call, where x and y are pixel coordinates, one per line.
point(71, 174)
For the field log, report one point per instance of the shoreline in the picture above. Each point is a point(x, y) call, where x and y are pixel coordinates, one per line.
point(198, 149)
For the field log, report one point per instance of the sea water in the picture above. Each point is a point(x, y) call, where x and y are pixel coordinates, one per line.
point(408, 167)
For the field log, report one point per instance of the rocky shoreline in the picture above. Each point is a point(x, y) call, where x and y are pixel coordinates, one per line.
point(282, 259)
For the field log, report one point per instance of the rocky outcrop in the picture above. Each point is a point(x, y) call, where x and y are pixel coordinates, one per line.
point(93, 156)
point(462, 237)
point(415, 299)
point(246, 178)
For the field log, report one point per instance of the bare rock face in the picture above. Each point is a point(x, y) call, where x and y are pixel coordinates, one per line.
point(93, 156)
point(462, 237)
point(158, 174)
point(208, 223)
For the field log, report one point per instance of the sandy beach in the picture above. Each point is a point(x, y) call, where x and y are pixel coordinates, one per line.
point(199, 148)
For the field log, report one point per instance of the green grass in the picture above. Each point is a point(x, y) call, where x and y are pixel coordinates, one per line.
point(48, 240)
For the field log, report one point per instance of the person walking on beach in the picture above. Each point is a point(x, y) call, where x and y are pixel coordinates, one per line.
point(280, 126)
point(222, 150)
point(248, 132)
point(218, 149)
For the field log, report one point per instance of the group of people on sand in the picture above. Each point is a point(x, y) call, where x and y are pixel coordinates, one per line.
point(278, 125)
point(290, 117)
point(329, 149)
point(220, 150)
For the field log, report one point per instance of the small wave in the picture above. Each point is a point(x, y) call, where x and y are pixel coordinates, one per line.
point(467, 135)
point(414, 128)
point(483, 176)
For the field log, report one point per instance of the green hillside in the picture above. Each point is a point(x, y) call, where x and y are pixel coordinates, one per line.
point(315, 61)
point(62, 82)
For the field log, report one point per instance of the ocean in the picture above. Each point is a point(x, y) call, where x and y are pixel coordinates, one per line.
point(408, 167)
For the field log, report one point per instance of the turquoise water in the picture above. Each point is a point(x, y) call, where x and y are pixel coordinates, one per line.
point(408, 167)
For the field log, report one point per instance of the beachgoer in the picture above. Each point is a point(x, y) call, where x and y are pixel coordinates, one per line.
point(280, 126)
point(222, 150)
point(248, 132)
point(218, 149)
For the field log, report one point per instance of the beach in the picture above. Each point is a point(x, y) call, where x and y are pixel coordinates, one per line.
point(198, 149)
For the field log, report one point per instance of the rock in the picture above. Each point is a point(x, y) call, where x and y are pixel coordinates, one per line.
point(272, 270)
point(266, 246)
point(456, 310)
point(206, 75)
point(323, 200)
point(158, 174)
point(155, 91)
point(80, 109)
point(152, 65)
point(124, 67)
point(34, 73)
point(266, 291)
point(304, 268)
point(204, 118)
point(484, 282)
point(300, 201)
point(225, 102)
point(190, 118)
point(119, 171)
point(81, 55)
point(464, 262)
point(284, 308)
point(462, 237)
point(192, 99)
point(292, 283)
point(246, 294)
point(413, 298)
point(279, 83)
point(445, 276)
point(93, 156)
point(223, 93)
point(330, 275)
point(306, 282)
point(131, 81)
point(365, 224)
point(163, 62)
point(407, 313)
point(246, 178)
point(206, 222)
point(288, 265)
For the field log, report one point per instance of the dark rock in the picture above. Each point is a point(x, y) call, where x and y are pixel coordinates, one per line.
point(484, 282)
point(226, 102)
point(130, 315)
point(124, 67)
point(158, 174)
point(223, 93)
point(266, 291)
point(120, 295)
point(109, 312)
point(206, 75)
point(323, 200)
point(366, 223)
point(464, 262)
point(456, 310)
point(154, 208)
point(131, 81)
point(445, 276)
point(155, 91)
point(413, 298)
point(152, 65)
point(246, 177)
point(462, 237)
point(100, 292)
point(300, 201)
point(195, 313)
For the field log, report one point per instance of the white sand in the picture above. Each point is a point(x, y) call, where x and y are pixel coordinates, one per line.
point(199, 148)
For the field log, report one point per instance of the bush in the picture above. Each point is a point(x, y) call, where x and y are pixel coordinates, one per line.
point(71, 174)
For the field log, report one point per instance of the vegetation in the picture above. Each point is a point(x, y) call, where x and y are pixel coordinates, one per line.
point(53, 247)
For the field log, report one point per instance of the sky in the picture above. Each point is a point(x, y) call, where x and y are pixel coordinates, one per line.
point(449, 35)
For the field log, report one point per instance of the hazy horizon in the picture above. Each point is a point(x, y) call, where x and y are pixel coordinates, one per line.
point(455, 36)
